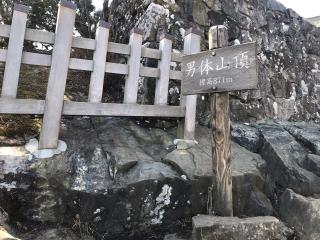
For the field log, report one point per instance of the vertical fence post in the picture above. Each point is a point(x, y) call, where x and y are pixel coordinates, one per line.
point(58, 75)
point(162, 85)
point(192, 43)
point(221, 147)
point(131, 86)
point(14, 53)
point(99, 62)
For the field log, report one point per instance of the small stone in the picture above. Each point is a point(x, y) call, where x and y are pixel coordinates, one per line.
point(183, 144)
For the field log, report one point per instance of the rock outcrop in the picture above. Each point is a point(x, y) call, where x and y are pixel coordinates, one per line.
point(288, 49)
point(117, 178)
point(301, 213)
point(121, 177)
point(285, 158)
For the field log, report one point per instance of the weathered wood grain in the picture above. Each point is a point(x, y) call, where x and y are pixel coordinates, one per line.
point(221, 148)
point(81, 64)
point(21, 106)
point(150, 53)
point(117, 68)
point(87, 43)
point(14, 53)
point(224, 69)
point(39, 36)
point(162, 83)
point(31, 106)
point(99, 63)
point(177, 57)
point(192, 43)
point(131, 85)
point(119, 48)
point(149, 72)
point(83, 43)
point(57, 78)
point(5, 30)
point(121, 110)
point(176, 75)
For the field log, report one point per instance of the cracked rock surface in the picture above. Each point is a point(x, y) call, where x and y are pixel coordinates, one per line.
point(302, 213)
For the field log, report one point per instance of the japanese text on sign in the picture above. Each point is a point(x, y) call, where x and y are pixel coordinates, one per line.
point(225, 69)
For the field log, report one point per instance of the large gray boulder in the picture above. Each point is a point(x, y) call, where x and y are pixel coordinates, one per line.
point(285, 159)
point(307, 134)
point(312, 163)
point(207, 227)
point(301, 213)
point(246, 136)
point(249, 184)
point(122, 179)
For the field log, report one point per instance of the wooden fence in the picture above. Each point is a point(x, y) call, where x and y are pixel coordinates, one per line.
point(60, 61)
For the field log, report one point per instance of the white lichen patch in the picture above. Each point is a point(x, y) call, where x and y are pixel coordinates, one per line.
point(275, 109)
point(162, 201)
point(293, 93)
point(8, 186)
point(284, 28)
point(97, 154)
point(98, 210)
point(304, 88)
point(80, 180)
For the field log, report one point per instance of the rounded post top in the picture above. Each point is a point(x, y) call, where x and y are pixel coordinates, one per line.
point(68, 4)
point(21, 8)
point(166, 36)
point(104, 24)
point(194, 31)
point(137, 31)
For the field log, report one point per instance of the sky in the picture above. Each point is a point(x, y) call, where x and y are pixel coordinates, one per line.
point(305, 8)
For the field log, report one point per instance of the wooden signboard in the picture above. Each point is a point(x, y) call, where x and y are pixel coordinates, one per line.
point(220, 70)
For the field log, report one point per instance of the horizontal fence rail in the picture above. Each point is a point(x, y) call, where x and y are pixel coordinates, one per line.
point(31, 106)
point(87, 43)
point(62, 41)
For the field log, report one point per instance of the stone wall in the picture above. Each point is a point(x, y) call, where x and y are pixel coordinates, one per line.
point(288, 49)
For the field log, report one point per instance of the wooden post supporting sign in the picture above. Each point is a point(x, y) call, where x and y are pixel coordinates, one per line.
point(219, 71)
point(221, 148)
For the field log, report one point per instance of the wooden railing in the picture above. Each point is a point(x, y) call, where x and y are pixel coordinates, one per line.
point(60, 62)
